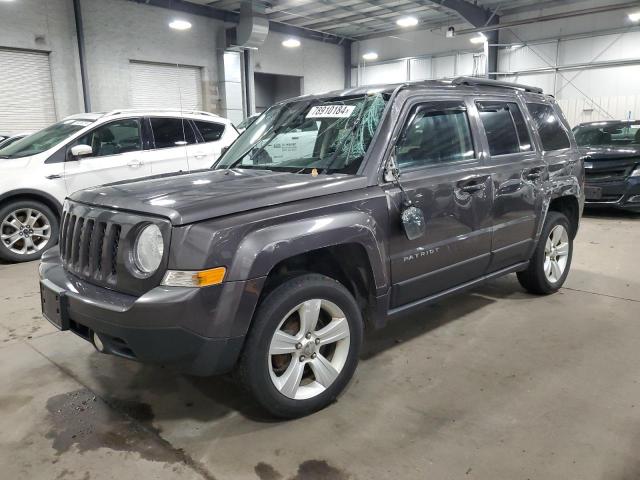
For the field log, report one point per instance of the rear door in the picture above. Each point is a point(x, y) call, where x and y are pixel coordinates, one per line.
point(117, 155)
point(442, 173)
point(518, 173)
point(170, 138)
point(212, 138)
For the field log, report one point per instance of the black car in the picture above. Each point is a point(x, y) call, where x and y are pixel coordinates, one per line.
point(612, 163)
point(275, 266)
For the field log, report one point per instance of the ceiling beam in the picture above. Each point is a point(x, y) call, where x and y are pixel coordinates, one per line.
point(234, 17)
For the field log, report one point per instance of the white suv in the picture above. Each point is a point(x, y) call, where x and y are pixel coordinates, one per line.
point(85, 150)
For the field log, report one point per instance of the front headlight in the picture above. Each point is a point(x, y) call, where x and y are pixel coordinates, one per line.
point(636, 172)
point(148, 250)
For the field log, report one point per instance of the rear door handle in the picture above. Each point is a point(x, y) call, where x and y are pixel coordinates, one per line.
point(135, 164)
point(199, 155)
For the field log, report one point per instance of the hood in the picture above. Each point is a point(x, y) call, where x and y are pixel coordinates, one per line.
point(10, 164)
point(611, 152)
point(193, 197)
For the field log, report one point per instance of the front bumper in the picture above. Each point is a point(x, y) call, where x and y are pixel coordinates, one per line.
point(199, 331)
point(623, 194)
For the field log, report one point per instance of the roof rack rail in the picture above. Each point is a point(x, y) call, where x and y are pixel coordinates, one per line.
point(143, 110)
point(487, 82)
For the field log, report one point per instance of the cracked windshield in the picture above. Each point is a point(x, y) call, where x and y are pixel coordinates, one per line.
point(329, 135)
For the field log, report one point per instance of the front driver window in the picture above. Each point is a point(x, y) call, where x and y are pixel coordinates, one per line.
point(113, 138)
point(437, 133)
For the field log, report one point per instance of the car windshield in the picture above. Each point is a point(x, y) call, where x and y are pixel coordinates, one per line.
point(328, 135)
point(608, 134)
point(44, 139)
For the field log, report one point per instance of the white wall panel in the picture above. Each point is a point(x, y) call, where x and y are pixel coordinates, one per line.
point(467, 64)
point(392, 72)
point(420, 69)
point(444, 67)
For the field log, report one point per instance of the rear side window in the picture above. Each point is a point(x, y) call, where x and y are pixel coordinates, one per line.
point(210, 131)
point(505, 127)
point(437, 133)
point(552, 133)
point(172, 132)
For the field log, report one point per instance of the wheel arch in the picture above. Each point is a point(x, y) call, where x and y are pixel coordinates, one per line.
point(34, 195)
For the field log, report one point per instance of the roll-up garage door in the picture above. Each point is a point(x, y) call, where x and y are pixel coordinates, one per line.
point(156, 85)
point(26, 93)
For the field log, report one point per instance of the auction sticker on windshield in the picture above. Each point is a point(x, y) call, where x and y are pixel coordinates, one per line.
point(331, 111)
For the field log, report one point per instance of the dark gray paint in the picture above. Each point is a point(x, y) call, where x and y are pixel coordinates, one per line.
point(249, 220)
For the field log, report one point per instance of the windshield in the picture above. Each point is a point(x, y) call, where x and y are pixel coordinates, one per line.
point(329, 135)
point(44, 139)
point(609, 134)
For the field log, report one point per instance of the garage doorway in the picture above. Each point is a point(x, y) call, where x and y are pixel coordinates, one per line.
point(26, 92)
point(272, 88)
point(160, 86)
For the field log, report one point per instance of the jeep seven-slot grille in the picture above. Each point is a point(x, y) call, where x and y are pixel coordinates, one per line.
point(89, 248)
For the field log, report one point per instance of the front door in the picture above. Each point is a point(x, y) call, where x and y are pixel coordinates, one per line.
point(442, 175)
point(117, 155)
point(519, 173)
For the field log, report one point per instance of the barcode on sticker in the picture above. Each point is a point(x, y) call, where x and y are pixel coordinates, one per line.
point(331, 111)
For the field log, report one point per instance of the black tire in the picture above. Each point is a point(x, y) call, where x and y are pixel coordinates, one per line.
point(5, 210)
point(255, 363)
point(534, 278)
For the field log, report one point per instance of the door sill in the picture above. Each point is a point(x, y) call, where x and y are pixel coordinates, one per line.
point(423, 302)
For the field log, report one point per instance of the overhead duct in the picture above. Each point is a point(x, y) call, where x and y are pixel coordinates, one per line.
point(252, 29)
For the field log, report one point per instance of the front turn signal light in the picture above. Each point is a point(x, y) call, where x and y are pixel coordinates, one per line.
point(202, 278)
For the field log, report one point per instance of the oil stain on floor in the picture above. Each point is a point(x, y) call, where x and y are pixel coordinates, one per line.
point(85, 421)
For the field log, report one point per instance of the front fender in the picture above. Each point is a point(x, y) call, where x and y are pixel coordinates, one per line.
point(263, 249)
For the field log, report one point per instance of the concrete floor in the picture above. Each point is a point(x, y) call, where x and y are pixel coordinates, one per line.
point(494, 384)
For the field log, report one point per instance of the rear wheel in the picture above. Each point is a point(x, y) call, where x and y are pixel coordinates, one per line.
point(303, 346)
point(550, 263)
point(27, 229)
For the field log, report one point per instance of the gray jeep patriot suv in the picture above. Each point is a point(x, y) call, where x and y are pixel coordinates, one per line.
point(329, 214)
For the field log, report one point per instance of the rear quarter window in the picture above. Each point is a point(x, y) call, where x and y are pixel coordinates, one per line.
point(552, 134)
point(210, 131)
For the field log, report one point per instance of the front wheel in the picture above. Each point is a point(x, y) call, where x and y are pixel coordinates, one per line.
point(550, 263)
point(303, 346)
point(28, 228)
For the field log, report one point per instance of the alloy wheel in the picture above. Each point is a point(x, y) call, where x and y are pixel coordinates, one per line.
point(556, 253)
point(25, 231)
point(309, 349)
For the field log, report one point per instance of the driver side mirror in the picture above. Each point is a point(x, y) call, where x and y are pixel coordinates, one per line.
point(412, 217)
point(79, 151)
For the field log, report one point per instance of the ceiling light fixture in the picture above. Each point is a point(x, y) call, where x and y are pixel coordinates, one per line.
point(180, 25)
point(479, 39)
point(634, 17)
point(370, 56)
point(406, 22)
point(291, 43)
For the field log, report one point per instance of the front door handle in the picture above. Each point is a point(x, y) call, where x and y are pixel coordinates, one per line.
point(476, 187)
point(199, 155)
point(472, 185)
point(135, 164)
point(53, 176)
point(534, 173)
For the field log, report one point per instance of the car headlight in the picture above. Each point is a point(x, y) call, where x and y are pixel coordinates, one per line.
point(148, 249)
point(636, 172)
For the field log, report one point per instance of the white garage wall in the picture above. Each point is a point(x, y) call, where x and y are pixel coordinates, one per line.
point(47, 26)
point(320, 64)
point(119, 31)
